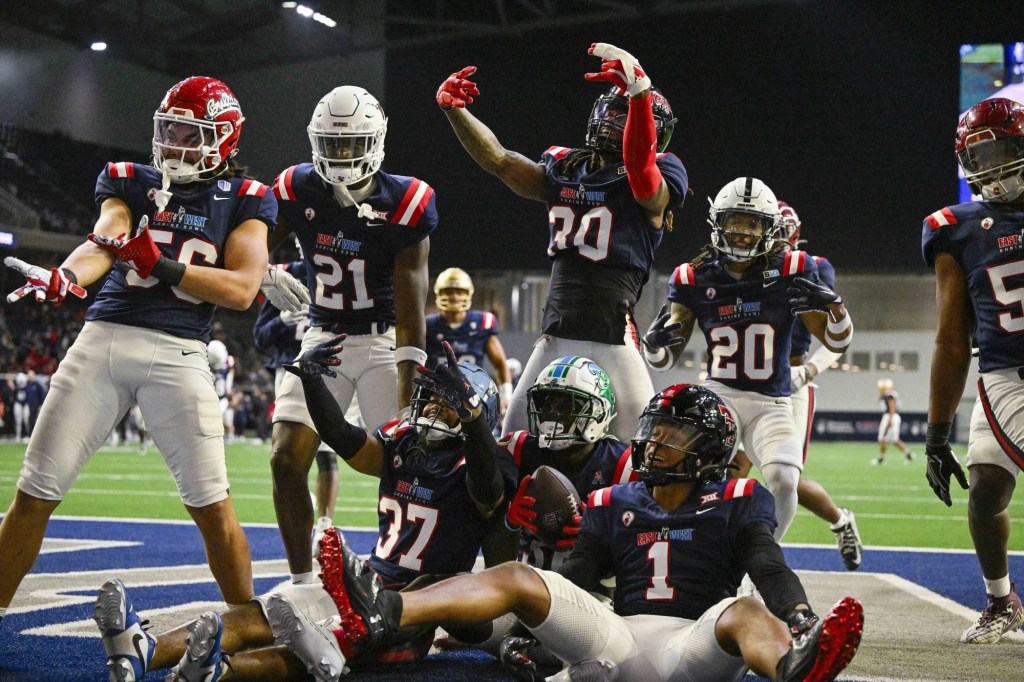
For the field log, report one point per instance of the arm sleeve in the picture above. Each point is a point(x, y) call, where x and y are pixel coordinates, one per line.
point(344, 438)
point(588, 562)
point(767, 567)
point(638, 148)
point(483, 479)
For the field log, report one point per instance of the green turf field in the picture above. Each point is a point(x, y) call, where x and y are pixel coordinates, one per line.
point(893, 503)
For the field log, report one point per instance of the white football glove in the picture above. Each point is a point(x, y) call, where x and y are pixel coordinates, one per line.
point(800, 376)
point(621, 68)
point(284, 291)
point(291, 319)
point(47, 285)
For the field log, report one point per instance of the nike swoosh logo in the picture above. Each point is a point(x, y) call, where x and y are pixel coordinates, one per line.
point(190, 352)
point(374, 224)
point(701, 511)
point(138, 649)
point(769, 284)
point(217, 198)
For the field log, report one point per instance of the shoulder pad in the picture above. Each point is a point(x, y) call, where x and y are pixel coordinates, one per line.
point(941, 218)
point(794, 263)
point(393, 430)
point(624, 472)
point(513, 442)
point(600, 498)
point(414, 202)
point(683, 275)
point(252, 188)
point(487, 320)
point(121, 169)
point(739, 487)
point(557, 152)
point(283, 189)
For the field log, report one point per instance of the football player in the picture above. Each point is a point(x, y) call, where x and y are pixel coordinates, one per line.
point(472, 333)
point(621, 177)
point(803, 369)
point(745, 290)
point(977, 250)
point(365, 239)
point(677, 541)
point(199, 230)
point(889, 424)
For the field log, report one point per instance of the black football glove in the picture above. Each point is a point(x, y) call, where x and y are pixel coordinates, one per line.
point(527, 659)
point(942, 462)
point(807, 296)
point(447, 382)
point(660, 334)
point(318, 360)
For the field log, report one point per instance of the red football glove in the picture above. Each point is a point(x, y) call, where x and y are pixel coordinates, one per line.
point(456, 91)
point(572, 529)
point(140, 253)
point(619, 68)
point(520, 512)
point(53, 285)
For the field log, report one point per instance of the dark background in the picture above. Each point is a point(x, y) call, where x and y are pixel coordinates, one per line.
point(846, 109)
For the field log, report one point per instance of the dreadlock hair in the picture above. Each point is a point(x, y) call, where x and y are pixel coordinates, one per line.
point(710, 253)
point(576, 158)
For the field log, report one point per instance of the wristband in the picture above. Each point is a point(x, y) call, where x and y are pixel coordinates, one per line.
point(835, 328)
point(514, 529)
point(70, 275)
point(505, 392)
point(938, 434)
point(410, 354)
point(657, 358)
point(168, 271)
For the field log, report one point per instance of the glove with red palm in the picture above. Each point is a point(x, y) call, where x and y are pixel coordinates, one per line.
point(619, 68)
point(520, 512)
point(572, 529)
point(48, 285)
point(456, 92)
point(140, 253)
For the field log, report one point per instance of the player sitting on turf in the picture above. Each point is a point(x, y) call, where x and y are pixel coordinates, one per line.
point(677, 541)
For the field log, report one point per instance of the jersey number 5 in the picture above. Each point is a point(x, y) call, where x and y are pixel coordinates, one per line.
point(1008, 295)
point(190, 248)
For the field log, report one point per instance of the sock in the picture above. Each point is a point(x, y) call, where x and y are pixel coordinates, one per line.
point(304, 578)
point(843, 520)
point(3, 612)
point(999, 587)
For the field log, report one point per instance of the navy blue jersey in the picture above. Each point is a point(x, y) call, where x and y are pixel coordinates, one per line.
point(678, 563)
point(610, 463)
point(193, 229)
point(986, 239)
point(601, 245)
point(273, 337)
point(351, 259)
point(427, 524)
point(468, 340)
point(802, 336)
point(747, 322)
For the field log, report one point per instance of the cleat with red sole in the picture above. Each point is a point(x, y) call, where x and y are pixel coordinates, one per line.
point(826, 650)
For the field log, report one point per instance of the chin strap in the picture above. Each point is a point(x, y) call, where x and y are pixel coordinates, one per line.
point(362, 210)
point(163, 195)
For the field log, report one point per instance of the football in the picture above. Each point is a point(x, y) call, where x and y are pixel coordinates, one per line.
point(557, 502)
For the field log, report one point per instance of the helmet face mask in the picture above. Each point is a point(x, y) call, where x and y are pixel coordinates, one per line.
point(196, 130)
point(745, 220)
point(685, 435)
point(572, 403)
point(436, 420)
point(990, 149)
point(346, 134)
point(608, 121)
point(447, 290)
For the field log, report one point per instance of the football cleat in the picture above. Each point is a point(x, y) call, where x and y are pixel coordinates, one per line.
point(848, 539)
point(203, 657)
point(369, 613)
point(908, 457)
point(314, 645)
point(129, 647)
point(1002, 615)
point(322, 524)
point(827, 648)
point(877, 461)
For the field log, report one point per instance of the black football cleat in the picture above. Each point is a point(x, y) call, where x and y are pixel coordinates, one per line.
point(827, 648)
point(369, 614)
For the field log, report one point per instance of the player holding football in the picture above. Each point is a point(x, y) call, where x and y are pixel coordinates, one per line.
point(978, 254)
point(622, 177)
point(365, 239)
point(677, 542)
point(472, 333)
point(199, 241)
point(745, 291)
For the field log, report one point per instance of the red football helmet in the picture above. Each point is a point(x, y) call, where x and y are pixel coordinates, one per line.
point(196, 129)
point(990, 149)
point(790, 225)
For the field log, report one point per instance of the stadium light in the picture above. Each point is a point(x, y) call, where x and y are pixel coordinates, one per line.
point(98, 46)
point(310, 13)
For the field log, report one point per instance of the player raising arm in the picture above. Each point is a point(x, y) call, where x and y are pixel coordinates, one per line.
point(620, 176)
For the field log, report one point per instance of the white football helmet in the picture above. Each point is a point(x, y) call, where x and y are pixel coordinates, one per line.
point(21, 380)
point(453, 278)
point(347, 135)
point(572, 402)
point(730, 215)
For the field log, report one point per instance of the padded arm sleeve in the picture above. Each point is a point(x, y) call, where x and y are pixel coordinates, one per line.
point(344, 438)
point(767, 567)
point(639, 148)
point(483, 480)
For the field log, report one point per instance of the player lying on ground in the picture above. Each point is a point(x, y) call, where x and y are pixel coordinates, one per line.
point(678, 542)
